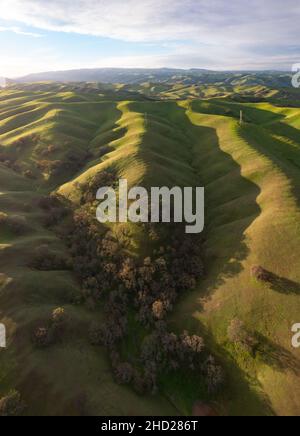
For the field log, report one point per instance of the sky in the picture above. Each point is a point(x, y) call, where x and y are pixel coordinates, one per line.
point(44, 35)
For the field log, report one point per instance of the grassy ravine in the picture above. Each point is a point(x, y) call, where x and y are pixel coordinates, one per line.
point(252, 180)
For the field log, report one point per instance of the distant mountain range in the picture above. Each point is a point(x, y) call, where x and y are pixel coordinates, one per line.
point(140, 75)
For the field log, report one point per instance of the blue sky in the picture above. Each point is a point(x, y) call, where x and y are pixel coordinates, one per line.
point(40, 35)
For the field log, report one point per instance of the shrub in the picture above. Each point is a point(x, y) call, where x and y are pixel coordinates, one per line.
point(259, 273)
point(49, 202)
point(103, 178)
point(95, 334)
point(214, 375)
point(52, 329)
point(45, 260)
point(49, 166)
point(238, 334)
point(56, 210)
point(58, 322)
point(50, 149)
point(55, 216)
point(59, 317)
point(9, 161)
point(42, 337)
point(3, 218)
point(158, 309)
point(5, 157)
point(30, 175)
point(192, 344)
point(11, 405)
point(124, 373)
point(139, 383)
point(16, 224)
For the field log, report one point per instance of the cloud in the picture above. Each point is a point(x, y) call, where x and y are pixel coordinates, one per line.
point(202, 33)
point(209, 22)
point(19, 31)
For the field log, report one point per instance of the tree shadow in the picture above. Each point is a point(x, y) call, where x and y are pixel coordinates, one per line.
point(276, 356)
point(281, 284)
point(285, 286)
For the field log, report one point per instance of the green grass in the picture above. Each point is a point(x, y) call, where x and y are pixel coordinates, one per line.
point(29, 296)
point(252, 180)
point(253, 219)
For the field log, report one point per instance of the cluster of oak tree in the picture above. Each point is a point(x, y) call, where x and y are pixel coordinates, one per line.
point(148, 289)
point(144, 289)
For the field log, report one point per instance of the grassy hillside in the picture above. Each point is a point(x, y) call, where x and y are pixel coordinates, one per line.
point(253, 219)
point(57, 138)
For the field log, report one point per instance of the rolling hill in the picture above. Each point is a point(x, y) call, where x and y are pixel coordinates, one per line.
point(155, 130)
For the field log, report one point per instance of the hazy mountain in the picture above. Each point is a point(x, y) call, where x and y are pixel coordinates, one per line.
point(140, 75)
point(107, 75)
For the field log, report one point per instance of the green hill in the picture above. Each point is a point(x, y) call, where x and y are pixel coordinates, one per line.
point(58, 138)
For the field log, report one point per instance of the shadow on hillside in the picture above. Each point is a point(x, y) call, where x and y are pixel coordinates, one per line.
point(287, 131)
point(241, 395)
point(282, 285)
point(227, 191)
point(285, 286)
point(166, 146)
point(232, 109)
point(287, 153)
point(197, 157)
point(76, 160)
point(276, 356)
point(231, 203)
point(282, 153)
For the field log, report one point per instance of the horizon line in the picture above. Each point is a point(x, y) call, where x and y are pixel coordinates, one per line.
point(187, 69)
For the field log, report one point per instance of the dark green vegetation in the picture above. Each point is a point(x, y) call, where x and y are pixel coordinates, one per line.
point(96, 316)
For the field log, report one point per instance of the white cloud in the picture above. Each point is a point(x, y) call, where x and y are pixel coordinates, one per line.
point(207, 21)
point(212, 33)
